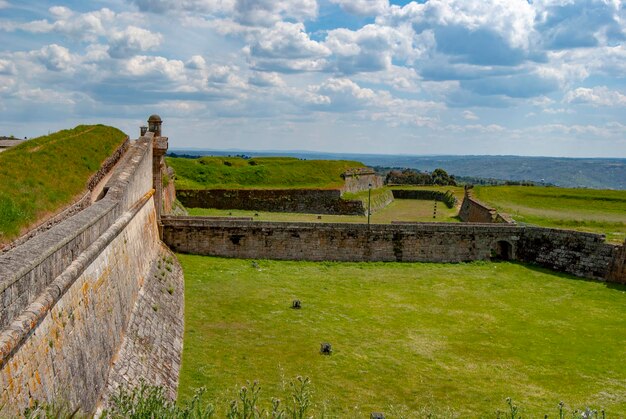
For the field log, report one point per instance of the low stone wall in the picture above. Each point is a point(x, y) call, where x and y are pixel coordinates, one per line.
point(617, 271)
point(427, 242)
point(581, 254)
point(313, 201)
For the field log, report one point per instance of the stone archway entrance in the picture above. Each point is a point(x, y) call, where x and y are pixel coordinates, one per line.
point(503, 250)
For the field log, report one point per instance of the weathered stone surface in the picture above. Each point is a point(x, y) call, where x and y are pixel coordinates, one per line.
point(474, 211)
point(581, 254)
point(67, 294)
point(312, 201)
point(359, 179)
point(153, 343)
point(429, 242)
point(63, 350)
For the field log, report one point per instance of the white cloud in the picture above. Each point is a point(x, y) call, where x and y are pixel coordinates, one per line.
point(55, 58)
point(286, 47)
point(133, 40)
point(286, 40)
point(40, 95)
point(264, 79)
point(268, 12)
point(7, 67)
point(511, 20)
point(469, 115)
point(166, 6)
point(596, 96)
point(86, 26)
point(142, 65)
point(363, 7)
point(370, 48)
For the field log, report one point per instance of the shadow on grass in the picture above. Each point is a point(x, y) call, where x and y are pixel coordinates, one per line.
point(565, 275)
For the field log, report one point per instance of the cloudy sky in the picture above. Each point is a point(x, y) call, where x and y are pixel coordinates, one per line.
point(544, 77)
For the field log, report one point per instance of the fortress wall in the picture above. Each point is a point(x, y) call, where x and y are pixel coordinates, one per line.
point(474, 211)
point(28, 269)
point(312, 201)
point(76, 326)
point(358, 183)
point(581, 254)
point(420, 194)
point(67, 293)
point(169, 192)
point(431, 242)
point(617, 273)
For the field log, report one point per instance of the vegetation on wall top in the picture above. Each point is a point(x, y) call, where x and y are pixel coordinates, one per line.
point(45, 174)
point(259, 172)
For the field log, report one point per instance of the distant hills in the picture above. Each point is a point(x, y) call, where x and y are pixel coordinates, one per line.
point(594, 173)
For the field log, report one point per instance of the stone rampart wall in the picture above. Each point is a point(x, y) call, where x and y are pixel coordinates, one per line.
point(169, 192)
point(61, 347)
point(358, 183)
point(67, 293)
point(617, 272)
point(314, 201)
point(474, 211)
point(432, 242)
point(581, 254)
point(445, 197)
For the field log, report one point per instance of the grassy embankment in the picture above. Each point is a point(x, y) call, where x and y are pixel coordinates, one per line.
point(43, 175)
point(258, 173)
point(407, 338)
point(592, 210)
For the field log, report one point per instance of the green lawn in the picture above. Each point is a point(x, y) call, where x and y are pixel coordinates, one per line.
point(43, 175)
point(592, 210)
point(260, 172)
point(398, 210)
point(453, 339)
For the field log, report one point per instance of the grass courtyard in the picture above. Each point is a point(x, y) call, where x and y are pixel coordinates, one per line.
point(408, 339)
